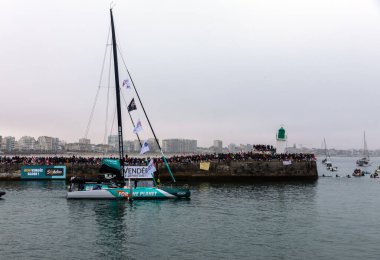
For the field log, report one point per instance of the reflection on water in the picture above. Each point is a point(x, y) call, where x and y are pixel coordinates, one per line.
point(105, 222)
point(295, 220)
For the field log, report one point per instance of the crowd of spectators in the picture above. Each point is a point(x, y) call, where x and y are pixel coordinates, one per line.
point(225, 157)
point(264, 148)
point(52, 160)
point(216, 157)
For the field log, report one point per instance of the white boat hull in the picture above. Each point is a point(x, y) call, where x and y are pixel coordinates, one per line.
point(90, 194)
point(125, 193)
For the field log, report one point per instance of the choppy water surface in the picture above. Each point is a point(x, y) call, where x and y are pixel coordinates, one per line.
point(332, 218)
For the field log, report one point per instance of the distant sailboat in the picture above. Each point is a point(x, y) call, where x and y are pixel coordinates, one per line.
point(327, 160)
point(327, 155)
point(365, 161)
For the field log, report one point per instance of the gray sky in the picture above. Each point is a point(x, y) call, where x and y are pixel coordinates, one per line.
point(232, 70)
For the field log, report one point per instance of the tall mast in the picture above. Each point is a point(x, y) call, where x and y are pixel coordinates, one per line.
point(117, 88)
point(366, 153)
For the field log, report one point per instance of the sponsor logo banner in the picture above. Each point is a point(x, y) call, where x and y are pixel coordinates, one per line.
point(136, 172)
point(54, 171)
point(43, 172)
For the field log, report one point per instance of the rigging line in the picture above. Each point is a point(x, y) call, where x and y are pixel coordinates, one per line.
point(113, 119)
point(147, 118)
point(91, 114)
point(99, 86)
point(108, 98)
point(130, 116)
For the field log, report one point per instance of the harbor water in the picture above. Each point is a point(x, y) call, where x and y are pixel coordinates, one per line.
point(331, 218)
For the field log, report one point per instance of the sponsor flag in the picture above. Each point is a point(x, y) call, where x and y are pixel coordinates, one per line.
point(138, 128)
point(151, 168)
point(204, 166)
point(145, 147)
point(289, 162)
point(126, 83)
point(132, 105)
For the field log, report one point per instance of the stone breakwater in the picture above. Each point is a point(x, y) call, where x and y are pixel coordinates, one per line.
point(188, 172)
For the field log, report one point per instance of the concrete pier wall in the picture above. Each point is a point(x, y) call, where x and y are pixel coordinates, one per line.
point(218, 172)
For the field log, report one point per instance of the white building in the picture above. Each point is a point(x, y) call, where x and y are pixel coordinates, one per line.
point(47, 143)
point(8, 144)
point(113, 140)
point(218, 146)
point(85, 144)
point(27, 143)
point(84, 141)
point(232, 148)
point(179, 146)
point(153, 147)
point(129, 146)
point(136, 145)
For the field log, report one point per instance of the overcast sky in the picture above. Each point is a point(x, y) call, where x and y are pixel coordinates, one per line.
point(206, 69)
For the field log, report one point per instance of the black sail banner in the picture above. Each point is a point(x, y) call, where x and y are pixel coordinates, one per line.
point(132, 105)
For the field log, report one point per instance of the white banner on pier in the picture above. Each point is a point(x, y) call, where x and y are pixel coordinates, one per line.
point(289, 162)
point(137, 172)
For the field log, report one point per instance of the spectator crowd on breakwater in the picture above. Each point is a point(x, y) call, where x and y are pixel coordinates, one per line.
point(216, 157)
point(264, 148)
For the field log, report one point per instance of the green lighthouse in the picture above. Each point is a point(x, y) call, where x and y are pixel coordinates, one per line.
point(281, 138)
point(281, 135)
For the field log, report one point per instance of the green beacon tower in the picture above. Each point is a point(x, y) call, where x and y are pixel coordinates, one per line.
point(281, 138)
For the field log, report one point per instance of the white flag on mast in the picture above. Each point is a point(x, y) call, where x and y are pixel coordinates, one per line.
point(126, 83)
point(145, 147)
point(151, 168)
point(138, 128)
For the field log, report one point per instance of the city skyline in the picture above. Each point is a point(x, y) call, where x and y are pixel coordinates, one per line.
point(134, 144)
point(231, 70)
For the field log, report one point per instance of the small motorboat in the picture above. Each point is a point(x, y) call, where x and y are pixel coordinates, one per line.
point(376, 173)
point(358, 173)
point(330, 167)
point(2, 193)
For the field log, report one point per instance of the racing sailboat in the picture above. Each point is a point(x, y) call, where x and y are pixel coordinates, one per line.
point(115, 186)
